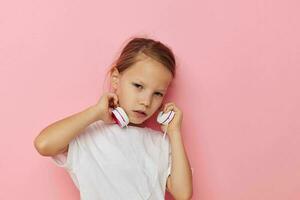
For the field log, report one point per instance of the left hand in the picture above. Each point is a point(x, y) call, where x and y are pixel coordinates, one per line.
point(175, 124)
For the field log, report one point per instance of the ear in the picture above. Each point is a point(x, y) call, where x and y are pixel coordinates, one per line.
point(114, 78)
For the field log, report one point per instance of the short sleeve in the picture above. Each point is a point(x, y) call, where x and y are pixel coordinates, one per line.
point(68, 160)
point(78, 148)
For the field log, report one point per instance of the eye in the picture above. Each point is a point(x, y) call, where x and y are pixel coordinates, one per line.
point(159, 94)
point(140, 86)
point(137, 85)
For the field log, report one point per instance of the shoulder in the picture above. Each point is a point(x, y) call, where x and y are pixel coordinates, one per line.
point(157, 136)
point(98, 126)
point(92, 131)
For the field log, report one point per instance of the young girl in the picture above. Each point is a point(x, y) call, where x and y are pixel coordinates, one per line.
point(108, 162)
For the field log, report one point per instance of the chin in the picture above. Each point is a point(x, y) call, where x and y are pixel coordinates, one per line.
point(136, 124)
point(137, 121)
point(133, 121)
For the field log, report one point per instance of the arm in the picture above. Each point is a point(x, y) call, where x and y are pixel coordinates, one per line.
point(179, 183)
point(57, 136)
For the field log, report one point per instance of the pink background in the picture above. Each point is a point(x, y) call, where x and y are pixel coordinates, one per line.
point(238, 87)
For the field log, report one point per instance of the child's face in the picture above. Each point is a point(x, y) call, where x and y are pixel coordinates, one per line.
point(142, 86)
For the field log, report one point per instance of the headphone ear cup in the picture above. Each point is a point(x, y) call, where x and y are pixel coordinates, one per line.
point(120, 116)
point(165, 118)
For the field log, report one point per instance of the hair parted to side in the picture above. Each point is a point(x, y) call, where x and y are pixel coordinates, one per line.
point(150, 47)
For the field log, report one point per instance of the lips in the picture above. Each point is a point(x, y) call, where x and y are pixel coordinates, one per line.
point(140, 112)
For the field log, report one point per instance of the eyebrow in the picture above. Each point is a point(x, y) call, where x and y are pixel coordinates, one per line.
point(160, 90)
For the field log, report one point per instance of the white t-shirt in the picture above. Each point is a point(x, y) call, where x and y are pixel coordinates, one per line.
point(107, 162)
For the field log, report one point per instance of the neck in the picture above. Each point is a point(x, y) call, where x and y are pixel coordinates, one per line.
point(137, 125)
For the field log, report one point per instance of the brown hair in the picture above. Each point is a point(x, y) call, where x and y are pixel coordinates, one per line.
point(150, 47)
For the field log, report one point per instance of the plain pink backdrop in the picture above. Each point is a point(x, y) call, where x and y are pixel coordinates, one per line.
point(238, 87)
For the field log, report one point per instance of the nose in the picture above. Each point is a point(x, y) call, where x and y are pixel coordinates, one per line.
point(146, 100)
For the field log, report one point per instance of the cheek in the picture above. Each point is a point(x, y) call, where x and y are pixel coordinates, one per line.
point(122, 91)
point(158, 104)
point(126, 98)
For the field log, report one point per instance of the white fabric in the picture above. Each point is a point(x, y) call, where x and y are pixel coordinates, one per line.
point(110, 163)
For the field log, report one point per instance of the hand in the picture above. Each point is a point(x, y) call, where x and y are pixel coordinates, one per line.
point(175, 124)
point(105, 105)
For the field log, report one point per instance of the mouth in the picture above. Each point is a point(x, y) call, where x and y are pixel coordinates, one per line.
point(140, 113)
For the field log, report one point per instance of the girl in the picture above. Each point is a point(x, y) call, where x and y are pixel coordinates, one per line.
point(108, 162)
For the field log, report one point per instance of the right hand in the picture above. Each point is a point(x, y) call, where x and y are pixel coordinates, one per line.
point(105, 105)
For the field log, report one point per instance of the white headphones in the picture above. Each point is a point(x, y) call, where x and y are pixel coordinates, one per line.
point(120, 116)
point(165, 119)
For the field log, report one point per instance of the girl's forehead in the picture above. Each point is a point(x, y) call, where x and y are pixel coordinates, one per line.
point(149, 72)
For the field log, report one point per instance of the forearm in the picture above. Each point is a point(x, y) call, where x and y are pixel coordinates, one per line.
point(58, 135)
point(181, 175)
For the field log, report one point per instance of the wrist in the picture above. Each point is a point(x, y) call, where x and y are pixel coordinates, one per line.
point(174, 134)
point(97, 113)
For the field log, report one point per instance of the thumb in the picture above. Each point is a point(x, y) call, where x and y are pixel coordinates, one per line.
point(111, 117)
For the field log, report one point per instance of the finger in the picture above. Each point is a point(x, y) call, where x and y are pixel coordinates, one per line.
point(168, 107)
point(114, 98)
point(173, 108)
